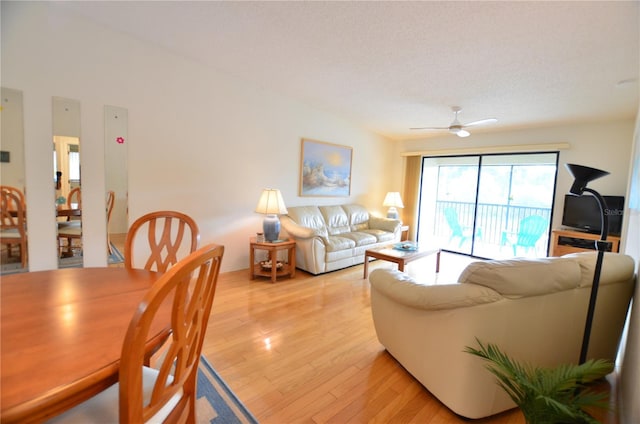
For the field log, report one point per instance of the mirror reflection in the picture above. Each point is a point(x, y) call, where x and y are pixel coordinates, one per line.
point(116, 123)
point(13, 231)
point(67, 180)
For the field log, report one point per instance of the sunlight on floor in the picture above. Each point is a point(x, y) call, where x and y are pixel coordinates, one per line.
point(424, 270)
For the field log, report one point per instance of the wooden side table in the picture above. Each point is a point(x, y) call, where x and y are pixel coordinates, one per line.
point(287, 268)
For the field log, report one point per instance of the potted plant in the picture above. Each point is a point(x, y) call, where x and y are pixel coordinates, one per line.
point(547, 395)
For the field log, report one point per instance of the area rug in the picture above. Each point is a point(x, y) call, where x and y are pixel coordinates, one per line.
point(216, 403)
point(116, 257)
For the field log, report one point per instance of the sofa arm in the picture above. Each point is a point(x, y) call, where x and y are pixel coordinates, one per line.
point(404, 289)
point(385, 224)
point(298, 231)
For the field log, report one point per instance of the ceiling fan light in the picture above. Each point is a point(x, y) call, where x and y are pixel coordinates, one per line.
point(463, 133)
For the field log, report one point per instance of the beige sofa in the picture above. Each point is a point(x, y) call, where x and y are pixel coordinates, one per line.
point(334, 237)
point(534, 310)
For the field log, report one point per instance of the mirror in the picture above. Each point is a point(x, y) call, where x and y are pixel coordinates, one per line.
point(116, 124)
point(13, 254)
point(67, 180)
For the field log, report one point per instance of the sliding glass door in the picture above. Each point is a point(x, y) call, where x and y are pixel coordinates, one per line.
point(490, 206)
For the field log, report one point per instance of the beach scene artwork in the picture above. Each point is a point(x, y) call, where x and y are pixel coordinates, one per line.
point(325, 169)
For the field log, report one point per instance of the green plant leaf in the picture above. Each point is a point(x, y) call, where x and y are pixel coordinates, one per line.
point(547, 395)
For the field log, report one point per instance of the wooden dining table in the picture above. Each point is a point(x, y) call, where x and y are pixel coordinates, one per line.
point(61, 336)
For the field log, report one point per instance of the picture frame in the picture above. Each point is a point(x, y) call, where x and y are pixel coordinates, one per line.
point(325, 169)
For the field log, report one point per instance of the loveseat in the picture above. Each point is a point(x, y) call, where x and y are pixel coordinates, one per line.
point(334, 237)
point(532, 309)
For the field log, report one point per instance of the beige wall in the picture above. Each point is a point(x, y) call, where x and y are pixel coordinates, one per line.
point(200, 141)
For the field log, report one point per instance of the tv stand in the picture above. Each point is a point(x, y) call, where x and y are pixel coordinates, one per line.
point(568, 241)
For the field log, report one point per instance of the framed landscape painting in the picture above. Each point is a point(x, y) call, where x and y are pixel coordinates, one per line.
point(325, 169)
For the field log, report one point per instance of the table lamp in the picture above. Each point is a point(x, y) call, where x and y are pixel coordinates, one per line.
point(393, 200)
point(271, 204)
point(582, 176)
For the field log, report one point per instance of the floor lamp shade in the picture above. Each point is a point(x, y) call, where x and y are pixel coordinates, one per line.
point(582, 176)
point(271, 204)
point(393, 201)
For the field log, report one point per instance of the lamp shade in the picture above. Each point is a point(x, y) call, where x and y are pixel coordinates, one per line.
point(393, 199)
point(582, 176)
point(271, 202)
point(272, 205)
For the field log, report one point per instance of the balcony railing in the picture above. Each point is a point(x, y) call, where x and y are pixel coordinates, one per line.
point(493, 221)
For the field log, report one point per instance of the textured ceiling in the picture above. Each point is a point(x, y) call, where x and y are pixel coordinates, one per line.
point(393, 65)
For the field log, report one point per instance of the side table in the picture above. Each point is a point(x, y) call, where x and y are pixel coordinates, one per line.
point(287, 268)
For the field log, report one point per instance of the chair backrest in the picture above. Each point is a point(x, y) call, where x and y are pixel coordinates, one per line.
point(190, 287)
point(165, 234)
point(111, 196)
point(111, 199)
point(17, 192)
point(452, 219)
point(13, 229)
point(12, 214)
point(531, 229)
point(75, 197)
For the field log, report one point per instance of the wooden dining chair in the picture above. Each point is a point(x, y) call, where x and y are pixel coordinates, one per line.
point(74, 201)
point(13, 228)
point(168, 234)
point(167, 393)
point(111, 198)
point(17, 192)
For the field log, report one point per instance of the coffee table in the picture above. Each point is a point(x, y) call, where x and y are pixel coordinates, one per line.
point(401, 257)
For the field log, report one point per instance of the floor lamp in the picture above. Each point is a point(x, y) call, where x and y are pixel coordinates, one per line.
point(582, 176)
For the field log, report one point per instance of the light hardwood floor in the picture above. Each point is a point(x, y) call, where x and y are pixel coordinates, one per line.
point(304, 350)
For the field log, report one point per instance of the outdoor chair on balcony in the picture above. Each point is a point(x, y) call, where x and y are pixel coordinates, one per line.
point(457, 230)
point(531, 228)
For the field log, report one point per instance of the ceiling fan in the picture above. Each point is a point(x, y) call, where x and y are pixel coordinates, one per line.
point(457, 127)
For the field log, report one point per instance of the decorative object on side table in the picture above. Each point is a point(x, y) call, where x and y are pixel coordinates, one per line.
point(583, 175)
point(393, 201)
point(407, 246)
point(271, 204)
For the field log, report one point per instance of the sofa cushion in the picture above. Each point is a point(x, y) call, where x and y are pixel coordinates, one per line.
point(404, 289)
point(336, 219)
point(615, 267)
point(308, 216)
point(335, 243)
point(358, 217)
point(361, 238)
point(380, 235)
point(524, 277)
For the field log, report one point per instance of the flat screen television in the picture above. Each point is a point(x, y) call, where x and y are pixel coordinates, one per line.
point(583, 213)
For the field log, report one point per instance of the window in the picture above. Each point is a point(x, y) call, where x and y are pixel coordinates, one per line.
point(490, 206)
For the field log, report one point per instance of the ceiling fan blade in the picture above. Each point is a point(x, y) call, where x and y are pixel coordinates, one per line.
point(430, 128)
point(481, 122)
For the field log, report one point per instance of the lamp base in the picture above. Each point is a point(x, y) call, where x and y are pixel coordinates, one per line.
point(271, 227)
point(393, 213)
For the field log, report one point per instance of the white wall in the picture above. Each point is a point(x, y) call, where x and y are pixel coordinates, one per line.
point(199, 141)
point(630, 374)
point(605, 146)
point(12, 172)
